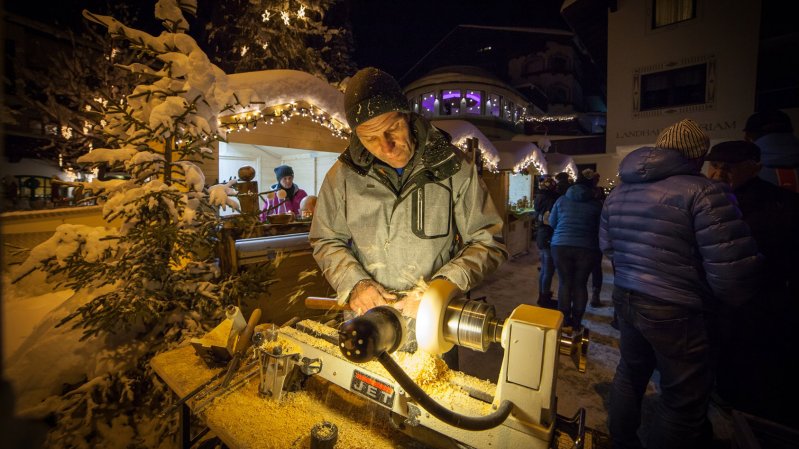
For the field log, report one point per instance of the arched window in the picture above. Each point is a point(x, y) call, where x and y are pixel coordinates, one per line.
point(493, 105)
point(451, 102)
point(558, 63)
point(428, 102)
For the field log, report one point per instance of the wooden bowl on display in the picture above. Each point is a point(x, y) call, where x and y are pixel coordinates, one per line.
point(280, 218)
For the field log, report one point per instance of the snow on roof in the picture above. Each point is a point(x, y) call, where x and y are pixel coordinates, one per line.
point(517, 156)
point(460, 130)
point(275, 87)
point(557, 163)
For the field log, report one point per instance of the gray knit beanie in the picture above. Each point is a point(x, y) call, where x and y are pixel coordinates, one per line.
point(372, 92)
point(685, 137)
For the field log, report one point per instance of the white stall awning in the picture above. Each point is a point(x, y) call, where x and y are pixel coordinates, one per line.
point(460, 130)
point(517, 156)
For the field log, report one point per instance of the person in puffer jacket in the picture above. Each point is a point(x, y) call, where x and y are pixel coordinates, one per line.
point(575, 248)
point(679, 248)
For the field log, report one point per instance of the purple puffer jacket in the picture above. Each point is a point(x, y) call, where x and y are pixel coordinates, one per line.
point(277, 206)
point(675, 235)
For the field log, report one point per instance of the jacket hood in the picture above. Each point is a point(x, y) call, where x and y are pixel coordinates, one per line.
point(779, 150)
point(649, 164)
point(439, 156)
point(580, 192)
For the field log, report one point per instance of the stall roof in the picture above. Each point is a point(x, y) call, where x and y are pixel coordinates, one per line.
point(557, 163)
point(460, 130)
point(277, 87)
point(517, 156)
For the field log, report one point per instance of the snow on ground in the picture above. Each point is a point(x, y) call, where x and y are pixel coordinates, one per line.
point(22, 314)
point(39, 358)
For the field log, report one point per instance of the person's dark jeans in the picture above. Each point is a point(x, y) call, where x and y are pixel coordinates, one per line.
point(596, 273)
point(547, 270)
point(574, 265)
point(677, 342)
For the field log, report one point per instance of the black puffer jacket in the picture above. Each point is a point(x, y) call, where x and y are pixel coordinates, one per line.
point(543, 203)
point(676, 235)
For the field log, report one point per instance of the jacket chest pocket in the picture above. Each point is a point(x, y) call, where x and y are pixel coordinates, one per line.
point(431, 211)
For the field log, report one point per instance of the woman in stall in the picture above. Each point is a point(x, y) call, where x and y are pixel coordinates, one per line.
point(286, 195)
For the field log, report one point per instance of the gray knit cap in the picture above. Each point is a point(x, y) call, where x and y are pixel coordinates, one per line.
point(685, 137)
point(372, 92)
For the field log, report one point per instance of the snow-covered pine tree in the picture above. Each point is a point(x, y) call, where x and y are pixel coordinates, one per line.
point(248, 35)
point(151, 282)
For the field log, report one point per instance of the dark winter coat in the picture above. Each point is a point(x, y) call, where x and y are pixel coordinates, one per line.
point(779, 154)
point(543, 203)
point(674, 234)
point(575, 218)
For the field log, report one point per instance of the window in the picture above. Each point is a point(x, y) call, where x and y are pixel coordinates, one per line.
point(507, 110)
point(667, 12)
point(428, 104)
point(672, 88)
point(473, 102)
point(493, 105)
point(451, 102)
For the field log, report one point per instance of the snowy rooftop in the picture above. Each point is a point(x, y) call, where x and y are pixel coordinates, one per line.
point(517, 156)
point(275, 87)
point(460, 130)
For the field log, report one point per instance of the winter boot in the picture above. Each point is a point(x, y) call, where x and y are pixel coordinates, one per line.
point(545, 300)
point(595, 302)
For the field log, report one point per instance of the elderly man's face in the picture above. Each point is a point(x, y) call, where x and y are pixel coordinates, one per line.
point(733, 173)
point(388, 138)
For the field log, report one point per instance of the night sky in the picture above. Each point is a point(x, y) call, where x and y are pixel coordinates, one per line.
point(391, 35)
point(394, 35)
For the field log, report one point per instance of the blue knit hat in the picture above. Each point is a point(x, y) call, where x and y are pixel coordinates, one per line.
point(282, 171)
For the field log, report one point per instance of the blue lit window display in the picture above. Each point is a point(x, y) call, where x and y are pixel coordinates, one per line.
point(473, 102)
point(493, 105)
point(428, 104)
point(451, 102)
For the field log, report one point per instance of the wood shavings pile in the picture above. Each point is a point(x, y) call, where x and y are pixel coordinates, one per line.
point(218, 335)
point(264, 423)
point(286, 346)
point(319, 328)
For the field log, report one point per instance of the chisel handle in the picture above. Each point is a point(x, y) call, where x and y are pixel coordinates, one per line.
point(245, 338)
point(321, 303)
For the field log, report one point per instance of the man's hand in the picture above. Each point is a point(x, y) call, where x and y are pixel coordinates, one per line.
point(368, 294)
point(409, 304)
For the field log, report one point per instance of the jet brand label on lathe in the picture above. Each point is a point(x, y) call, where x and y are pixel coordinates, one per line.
point(372, 388)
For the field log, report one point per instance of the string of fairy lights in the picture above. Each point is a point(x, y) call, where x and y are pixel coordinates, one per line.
point(281, 114)
point(490, 160)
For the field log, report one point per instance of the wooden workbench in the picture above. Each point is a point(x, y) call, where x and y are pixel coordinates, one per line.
point(243, 420)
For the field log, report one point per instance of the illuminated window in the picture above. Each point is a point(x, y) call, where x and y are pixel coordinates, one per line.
point(676, 87)
point(493, 105)
point(451, 102)
point(667, 12)
point(507, 110)
point(428, 104)
point(473, 102)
